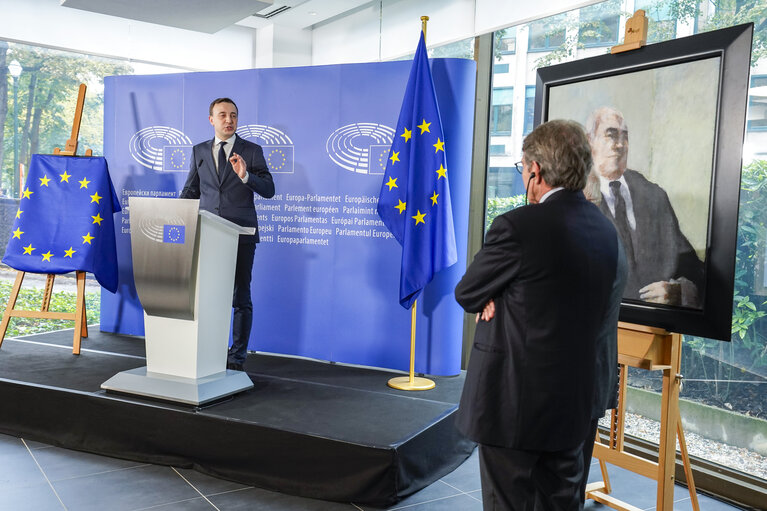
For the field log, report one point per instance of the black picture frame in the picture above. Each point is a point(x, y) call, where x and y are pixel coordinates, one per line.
point(712, 316)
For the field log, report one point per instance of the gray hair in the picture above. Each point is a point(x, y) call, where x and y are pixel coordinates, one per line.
point(562, 151)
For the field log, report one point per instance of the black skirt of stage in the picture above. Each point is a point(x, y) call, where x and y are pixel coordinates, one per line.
point(307, 428)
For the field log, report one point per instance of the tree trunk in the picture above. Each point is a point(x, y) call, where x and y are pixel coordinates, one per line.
point(34, 133)
point(3, 101)
point(24, 147)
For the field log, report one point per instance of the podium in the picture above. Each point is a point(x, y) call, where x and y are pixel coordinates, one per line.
point(183, 268)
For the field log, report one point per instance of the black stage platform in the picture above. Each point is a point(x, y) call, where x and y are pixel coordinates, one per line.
point(307, 428)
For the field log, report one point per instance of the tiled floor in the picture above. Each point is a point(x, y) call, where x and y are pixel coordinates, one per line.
point(36, 476)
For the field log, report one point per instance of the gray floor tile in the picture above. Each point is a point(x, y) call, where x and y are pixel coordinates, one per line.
point(263, 500)
point(434, 492)
point(36, 497)
point(10, 445)
point(124, 490)
point(460, 502)
point(466, 477)
point(19, 470)
point(58, 463)
point(36, 445)
point(198, 504)
point(208, 485)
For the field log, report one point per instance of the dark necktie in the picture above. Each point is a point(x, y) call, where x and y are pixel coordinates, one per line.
point(221, 160)
point(621, 220)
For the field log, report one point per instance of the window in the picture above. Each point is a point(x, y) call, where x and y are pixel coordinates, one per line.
point(500, 69)
point(500, 115)
point(757, 104)
point(506, 41)
point(599, 24)
point(529, 109)
point(661, 24)
point(547, 34)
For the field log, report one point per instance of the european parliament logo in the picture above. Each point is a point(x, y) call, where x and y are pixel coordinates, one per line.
point(173, 233)
point(169, 229)
point(361, 147)
point(279, 151)
point(161, 148)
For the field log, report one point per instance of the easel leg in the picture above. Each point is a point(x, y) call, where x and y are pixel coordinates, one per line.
point(668, 424)
point(687, 466)
point(11, 304)
point(603, 469)
point(80, 320)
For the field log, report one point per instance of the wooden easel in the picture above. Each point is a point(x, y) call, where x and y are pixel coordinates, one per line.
point(79, 316)
point(652, 349)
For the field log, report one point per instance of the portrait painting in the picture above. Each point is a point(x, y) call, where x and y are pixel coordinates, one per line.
point(663, 124)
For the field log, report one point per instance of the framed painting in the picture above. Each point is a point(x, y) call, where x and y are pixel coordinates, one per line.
point(666, 125)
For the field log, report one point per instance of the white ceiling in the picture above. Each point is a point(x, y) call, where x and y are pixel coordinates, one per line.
point(210, 16)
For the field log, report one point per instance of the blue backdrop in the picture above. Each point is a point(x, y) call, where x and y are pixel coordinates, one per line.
point(326, 274)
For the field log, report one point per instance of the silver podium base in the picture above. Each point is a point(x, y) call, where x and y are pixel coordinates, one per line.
point(191, 391)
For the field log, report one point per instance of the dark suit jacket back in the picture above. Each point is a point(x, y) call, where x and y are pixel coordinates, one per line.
point(226, 195)
point(534, 375)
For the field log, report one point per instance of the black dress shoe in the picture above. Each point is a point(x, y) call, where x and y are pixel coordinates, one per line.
point(235, 366)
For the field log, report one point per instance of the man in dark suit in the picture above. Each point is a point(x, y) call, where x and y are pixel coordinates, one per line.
point(663, 266)
point(548, 283)
point(224, 174)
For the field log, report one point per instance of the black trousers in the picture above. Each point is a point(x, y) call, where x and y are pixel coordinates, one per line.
point(528, 480)
point(242, 303)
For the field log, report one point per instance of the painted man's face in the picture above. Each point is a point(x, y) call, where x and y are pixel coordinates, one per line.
point(610, 146)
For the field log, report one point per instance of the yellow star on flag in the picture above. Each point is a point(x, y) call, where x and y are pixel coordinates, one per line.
point(401, 206)
point(434, 199)
point(84, 182)
point(419, 217)
point(17, 233)
point(97, 219)
point(95, 198)
point(26, 193)
point(394, 157)
point(28, 249)
point(391, 183)
point(424, 127)
point(68, 253)
point(439, 146)
point(18, 213)
point(407, 134)
point(65, 177)
point(44, 181)
point(87, 239)
point(441, 171)
point(47, 256)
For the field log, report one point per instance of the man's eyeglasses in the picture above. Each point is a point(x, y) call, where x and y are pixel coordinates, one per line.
point(518, 166)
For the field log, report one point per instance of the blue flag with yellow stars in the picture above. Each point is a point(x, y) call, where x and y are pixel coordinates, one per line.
point(65, 219)
point(414, 202)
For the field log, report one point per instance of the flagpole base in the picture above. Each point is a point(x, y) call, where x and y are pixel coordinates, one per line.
point(404, 383)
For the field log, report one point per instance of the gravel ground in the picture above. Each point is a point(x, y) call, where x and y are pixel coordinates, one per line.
point(727, 455)
point(65, 282)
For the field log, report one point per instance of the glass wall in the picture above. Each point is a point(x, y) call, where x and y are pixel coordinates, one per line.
point(38, 92)
point(727, 380)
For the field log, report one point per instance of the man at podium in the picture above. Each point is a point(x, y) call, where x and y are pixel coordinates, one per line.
point(224, 174)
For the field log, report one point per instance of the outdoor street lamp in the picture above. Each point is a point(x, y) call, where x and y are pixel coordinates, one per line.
point(15, 69)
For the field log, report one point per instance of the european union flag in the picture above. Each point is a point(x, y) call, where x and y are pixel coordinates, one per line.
point(414, 202)
point(176, 158)
point(65, 219)
point(173, 233)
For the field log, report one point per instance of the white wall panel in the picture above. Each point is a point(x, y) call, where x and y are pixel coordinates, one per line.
point(352, 38)
point(45, 22)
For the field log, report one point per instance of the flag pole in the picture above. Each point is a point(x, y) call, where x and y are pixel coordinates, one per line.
point(413, 382)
